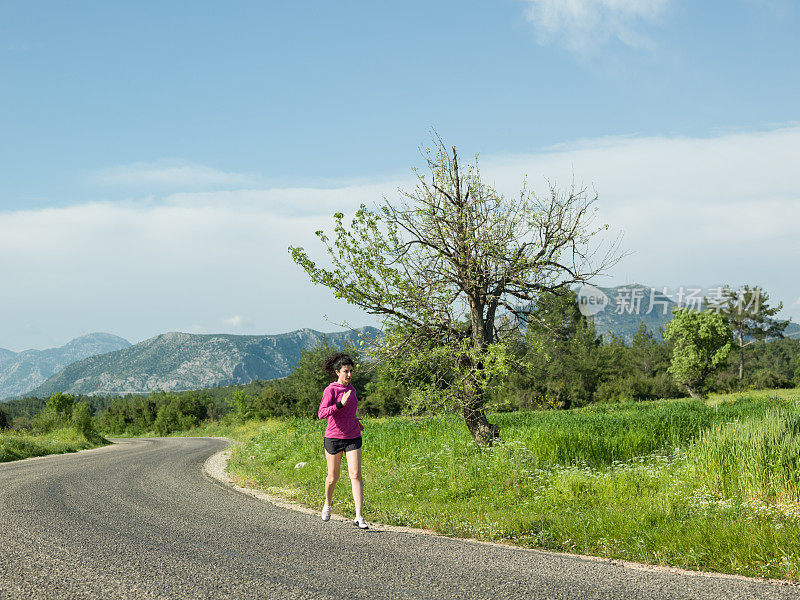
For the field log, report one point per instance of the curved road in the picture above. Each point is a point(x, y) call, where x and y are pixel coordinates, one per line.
point(140, 520)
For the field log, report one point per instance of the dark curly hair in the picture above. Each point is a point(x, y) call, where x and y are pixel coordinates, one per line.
point(335, 362)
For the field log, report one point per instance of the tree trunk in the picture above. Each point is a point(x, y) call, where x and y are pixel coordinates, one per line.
point(483, 432)
point(741, 357)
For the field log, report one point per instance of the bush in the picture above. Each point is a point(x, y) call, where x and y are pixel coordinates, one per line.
point(82, 420)
point(268, 402)
point(383, 397)
point(46, 421)
point(639, 387)
point(768, 379)
point(179, 413)
point(61, 405)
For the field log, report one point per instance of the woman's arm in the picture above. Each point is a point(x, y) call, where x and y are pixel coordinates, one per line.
point(328, 405)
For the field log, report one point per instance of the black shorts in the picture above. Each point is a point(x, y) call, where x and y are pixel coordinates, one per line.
point(335, 445)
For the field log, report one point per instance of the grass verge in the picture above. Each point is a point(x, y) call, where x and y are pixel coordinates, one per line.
point(631, 481)
point(16, 446)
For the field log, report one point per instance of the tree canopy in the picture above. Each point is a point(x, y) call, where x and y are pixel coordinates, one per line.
point(451, 268)
point(702, 342)
point(750, 317)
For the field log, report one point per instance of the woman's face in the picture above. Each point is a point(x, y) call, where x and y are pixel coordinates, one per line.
point(344, 374)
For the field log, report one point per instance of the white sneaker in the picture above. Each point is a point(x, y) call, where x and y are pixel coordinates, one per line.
point(361, 523)
point(326, 513)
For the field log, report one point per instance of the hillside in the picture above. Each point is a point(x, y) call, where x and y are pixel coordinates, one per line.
point(629, 305)
point(21, 372)
point(182, 361)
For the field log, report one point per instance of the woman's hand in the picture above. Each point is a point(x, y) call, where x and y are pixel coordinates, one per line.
point(346, 397)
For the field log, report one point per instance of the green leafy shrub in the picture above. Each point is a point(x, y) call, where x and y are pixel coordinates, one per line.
point(638, 387)
point(768, 379)
point(179, 413)
point(82, 420)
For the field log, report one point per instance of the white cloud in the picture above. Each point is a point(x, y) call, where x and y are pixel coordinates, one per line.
point(142, 268)
point(581, 25)
point(721, 209)
point(234, 321)
point(290, 202)
point(168, 174)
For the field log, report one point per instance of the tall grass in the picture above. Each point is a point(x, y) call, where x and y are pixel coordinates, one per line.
point(756, 458)
point(618, 481)
point(16, 445)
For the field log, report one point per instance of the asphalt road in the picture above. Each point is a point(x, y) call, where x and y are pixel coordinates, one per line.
point(140, 520)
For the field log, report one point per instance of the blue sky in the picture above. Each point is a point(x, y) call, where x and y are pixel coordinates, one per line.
point(157, 158)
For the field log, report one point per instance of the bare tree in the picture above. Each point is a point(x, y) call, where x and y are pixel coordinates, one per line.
point(452, 268)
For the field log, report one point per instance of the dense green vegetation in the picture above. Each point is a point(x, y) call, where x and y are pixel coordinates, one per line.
point(60, 425)
point(561, 363)
point(16, 445)
point(678, 482)
point(702, 341)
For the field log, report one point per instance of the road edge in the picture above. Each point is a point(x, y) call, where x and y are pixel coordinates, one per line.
point(215, 468)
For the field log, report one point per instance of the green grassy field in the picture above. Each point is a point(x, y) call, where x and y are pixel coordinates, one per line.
point(701, 485)
point(16, 446)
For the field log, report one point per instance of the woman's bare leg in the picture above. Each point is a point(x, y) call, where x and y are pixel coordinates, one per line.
point(354, 470)
point(334, 466)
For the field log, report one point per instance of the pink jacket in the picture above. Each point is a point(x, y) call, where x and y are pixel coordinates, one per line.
point(342, 424)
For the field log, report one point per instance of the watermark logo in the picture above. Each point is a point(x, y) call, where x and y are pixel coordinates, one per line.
point(591, 300)
point(637, 300)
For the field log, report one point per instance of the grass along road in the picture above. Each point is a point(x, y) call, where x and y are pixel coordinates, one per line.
point(709, 486)
point(16, 445)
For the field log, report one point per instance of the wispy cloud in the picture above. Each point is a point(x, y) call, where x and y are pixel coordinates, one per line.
point(169, 174)
point(234, 321)
point(290, 202)
point(721, 209)
point(583, 25)
point(693, 210)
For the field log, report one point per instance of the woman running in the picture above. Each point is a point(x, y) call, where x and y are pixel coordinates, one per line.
point(343, 434)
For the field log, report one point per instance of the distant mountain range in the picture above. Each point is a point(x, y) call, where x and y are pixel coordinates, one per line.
point(21, 372)
point(101, 363)
point(183, 361)
point(626, 306)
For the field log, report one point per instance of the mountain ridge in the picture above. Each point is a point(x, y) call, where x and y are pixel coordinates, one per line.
point(92, 364)
point(23, 371)
point(178, 361)
point(628, 305)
